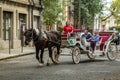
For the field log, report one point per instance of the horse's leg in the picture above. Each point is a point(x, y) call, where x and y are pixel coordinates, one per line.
point(58, 50)
point(41, 56)
point(37, 54)
point(40, 59)
point(50, 55)
point(37, 57)
point(58, 53)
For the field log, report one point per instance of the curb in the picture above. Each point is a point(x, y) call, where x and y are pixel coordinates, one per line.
point(15, 56)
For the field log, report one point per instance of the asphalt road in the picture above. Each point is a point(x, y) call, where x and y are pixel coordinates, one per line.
point(27, 68)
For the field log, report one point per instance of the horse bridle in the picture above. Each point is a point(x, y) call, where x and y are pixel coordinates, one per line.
point(36, 37)
point(32, 35)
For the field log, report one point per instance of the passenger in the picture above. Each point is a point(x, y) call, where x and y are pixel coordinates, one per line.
point(87, 35)
point(94, 39)
point(68, 29)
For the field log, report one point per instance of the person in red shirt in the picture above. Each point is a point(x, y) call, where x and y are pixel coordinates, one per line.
point(68, 29)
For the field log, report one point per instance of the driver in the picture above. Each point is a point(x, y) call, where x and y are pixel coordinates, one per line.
point(68, 29)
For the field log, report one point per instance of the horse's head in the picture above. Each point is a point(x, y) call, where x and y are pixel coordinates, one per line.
point(30, 34)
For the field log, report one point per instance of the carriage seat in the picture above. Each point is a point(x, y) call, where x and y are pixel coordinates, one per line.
point(77, 30)
point(105, 36)
point(64, 36)
point(85, 42)
point(104, 39)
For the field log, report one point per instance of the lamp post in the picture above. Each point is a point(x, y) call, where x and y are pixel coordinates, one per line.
point(9, 37)
point(22, 35)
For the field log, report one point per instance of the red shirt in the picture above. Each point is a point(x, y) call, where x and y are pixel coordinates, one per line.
point(67, 29)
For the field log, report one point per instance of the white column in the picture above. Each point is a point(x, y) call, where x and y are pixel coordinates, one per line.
point(97, 23)
point(66, 11)
point(111, 21)
point(107, 25)
point(94, 23)
point(55, 28)
point(100, 25)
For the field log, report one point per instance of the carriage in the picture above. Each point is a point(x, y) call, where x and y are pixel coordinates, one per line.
point(79, 45)
point(106, 46)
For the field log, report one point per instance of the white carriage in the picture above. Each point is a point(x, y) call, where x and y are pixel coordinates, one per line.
point(105, 46)
point(79, 45)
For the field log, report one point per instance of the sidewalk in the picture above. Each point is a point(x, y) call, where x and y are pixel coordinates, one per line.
point(4, 54)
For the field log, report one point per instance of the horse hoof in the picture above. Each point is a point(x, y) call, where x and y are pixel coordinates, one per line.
point(40, 64)
point(48, 64)
point(57, 62)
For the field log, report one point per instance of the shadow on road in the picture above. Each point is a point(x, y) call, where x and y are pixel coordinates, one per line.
point(96, 60)
point(63, 63)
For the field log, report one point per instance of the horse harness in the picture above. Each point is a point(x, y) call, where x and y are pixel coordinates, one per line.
point(45, 36)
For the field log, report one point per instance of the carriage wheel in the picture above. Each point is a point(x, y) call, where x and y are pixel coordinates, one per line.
point(90, 55)
point(76, 54)
point(55, 56)
point(112, 51)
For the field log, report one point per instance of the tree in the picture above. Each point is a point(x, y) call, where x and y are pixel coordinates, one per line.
point(114, 10)
point(87, 9)
point(51, 11)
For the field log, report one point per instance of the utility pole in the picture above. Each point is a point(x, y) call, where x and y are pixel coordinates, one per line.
point(9, 39)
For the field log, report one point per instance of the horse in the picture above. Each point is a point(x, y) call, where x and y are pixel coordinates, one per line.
point(53, 38)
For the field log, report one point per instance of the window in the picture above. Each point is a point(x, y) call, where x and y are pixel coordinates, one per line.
point(22, 25)
point(36, 21)
point(6, 25)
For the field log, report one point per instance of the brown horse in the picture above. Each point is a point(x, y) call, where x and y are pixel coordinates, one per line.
point(53, 39)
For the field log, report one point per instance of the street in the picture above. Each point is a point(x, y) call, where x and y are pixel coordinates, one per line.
point(27, 68)
point(27, 26)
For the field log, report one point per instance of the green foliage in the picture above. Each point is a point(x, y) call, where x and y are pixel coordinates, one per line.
point(114, 11)
point(88, 9)
point(51, 11)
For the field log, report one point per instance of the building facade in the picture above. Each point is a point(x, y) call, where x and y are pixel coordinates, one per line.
point(15, 17)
